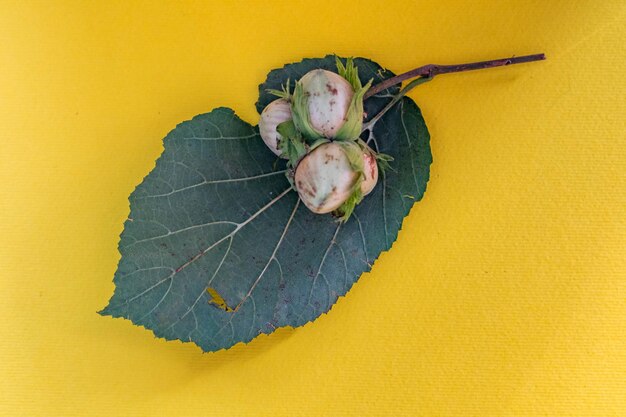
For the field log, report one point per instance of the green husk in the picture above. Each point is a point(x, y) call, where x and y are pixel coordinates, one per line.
point(284, 92)
point(355, 157)
point(349, 72)
point(351, 129)
point(291, 143)
point(300, 114)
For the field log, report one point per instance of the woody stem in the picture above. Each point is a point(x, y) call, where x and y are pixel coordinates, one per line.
point(429, 71)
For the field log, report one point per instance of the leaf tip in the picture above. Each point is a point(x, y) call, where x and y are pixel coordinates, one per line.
point(105, 311)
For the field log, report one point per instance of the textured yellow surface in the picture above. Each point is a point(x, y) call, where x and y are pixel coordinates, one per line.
point(505, 294)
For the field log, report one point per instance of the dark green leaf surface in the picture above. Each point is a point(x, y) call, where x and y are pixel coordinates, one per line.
point(216, 213)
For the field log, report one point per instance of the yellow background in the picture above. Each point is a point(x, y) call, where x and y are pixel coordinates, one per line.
point(504, 295)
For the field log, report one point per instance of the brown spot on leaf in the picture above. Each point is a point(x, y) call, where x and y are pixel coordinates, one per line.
point(218, 301)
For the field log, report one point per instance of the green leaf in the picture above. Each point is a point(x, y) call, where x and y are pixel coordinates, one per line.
point(217, 248)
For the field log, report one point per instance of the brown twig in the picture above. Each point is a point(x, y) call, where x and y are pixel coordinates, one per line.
point(431, 70)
